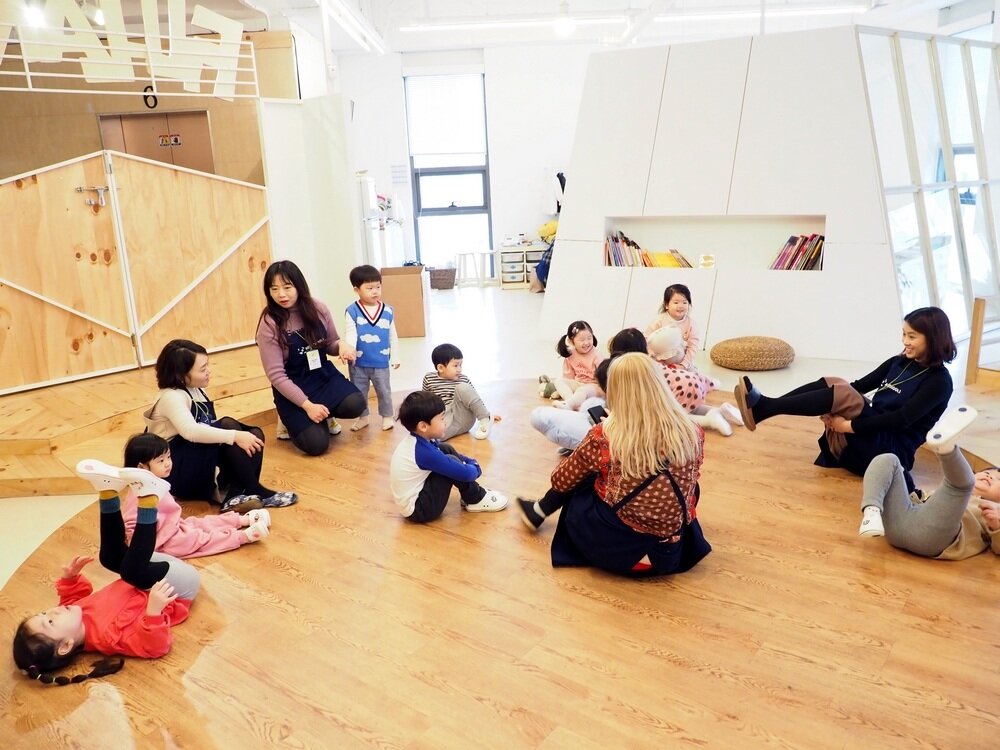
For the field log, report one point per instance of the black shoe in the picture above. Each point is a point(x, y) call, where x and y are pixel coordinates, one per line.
point(531, 517)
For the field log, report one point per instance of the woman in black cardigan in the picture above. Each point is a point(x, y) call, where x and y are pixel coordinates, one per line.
point(889, 410)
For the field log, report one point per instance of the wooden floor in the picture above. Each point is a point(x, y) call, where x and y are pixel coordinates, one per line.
point(349, 628)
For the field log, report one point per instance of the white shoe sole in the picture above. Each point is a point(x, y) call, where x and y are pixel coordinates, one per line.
point(103, 476)
point(950, 426)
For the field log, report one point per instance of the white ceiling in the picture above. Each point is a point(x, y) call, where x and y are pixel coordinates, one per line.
point(606, 22)
point(634, 24)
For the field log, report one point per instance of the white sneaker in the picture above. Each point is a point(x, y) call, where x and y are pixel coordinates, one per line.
point(388, 423)
point(334, 426)
point(871, 522)
point(145, 483)
point(481, 430)
point(942, 436)
point(732, 414)
point(101, 475)
point(256, 531)
point(259, 515)
point(281, 432)
point(492, 501)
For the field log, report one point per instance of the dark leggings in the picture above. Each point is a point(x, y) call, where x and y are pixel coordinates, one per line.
point(238, 470)
point(130, 561)
point(553, 501)
point(810, 400)
point(314, 440)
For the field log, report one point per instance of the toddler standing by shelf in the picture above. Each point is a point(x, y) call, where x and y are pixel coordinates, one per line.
point(578, 348)
point(675, 312)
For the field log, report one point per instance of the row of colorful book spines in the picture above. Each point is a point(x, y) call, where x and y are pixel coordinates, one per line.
point(800, 253)
point(618, 253)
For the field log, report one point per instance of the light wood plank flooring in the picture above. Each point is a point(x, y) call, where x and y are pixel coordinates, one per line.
point(349, 628)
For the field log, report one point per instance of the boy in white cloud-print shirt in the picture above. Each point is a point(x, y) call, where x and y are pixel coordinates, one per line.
point(369, 342)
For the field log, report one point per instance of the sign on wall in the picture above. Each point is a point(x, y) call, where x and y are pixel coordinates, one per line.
point(108, 54)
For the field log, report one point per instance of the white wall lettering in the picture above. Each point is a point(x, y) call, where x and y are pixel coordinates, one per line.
point(181, 58)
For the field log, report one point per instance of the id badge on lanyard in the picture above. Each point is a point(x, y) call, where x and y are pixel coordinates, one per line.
point(312, 357)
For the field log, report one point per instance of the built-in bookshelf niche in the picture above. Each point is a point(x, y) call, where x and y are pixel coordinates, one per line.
point(735, 242)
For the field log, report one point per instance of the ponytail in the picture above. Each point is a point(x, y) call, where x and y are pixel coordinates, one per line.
point(100, 668)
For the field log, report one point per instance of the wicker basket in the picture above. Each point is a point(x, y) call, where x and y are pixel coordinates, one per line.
point(443, 278)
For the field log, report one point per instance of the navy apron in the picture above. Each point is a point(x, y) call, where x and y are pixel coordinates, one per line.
point(192, 476)
point(590, 532)
point(324, 385)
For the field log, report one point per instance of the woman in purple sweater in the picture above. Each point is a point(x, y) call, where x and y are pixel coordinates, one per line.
point(295, 335)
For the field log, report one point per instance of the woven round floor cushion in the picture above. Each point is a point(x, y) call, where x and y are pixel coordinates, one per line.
point(752, 353)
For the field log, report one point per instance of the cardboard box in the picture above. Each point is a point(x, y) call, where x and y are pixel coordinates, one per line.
point(407, 290)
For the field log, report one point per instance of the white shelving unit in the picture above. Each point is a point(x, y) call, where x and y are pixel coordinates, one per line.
point(517, 262)
point(729, 147)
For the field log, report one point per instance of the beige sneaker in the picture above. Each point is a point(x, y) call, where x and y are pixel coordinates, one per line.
point(281, 432)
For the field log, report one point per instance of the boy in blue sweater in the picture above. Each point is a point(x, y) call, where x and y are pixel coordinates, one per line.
point(423, 470)
point(370, 344)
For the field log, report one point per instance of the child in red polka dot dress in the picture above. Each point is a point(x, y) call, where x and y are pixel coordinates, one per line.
point(666, 346)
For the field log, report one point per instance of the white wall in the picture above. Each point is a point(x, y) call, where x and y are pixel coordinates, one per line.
point(532, 102)
point(372, 87)
point(311, 63)
point(310, 193)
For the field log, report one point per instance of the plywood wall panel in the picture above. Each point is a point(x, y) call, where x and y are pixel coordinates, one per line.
point(59, 247)
point(40, 343)
point(176, 225)
point(224, 308)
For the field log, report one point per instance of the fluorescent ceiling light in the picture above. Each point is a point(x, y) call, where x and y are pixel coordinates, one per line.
point(352, 25)
point(99, 17)
point(511, 23)
point(768, 13)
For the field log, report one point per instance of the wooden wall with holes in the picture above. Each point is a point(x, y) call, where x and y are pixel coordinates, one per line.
point(197, 249)
point(75, 300)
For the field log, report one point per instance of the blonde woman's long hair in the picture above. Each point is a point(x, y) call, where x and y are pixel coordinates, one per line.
point(647, 429)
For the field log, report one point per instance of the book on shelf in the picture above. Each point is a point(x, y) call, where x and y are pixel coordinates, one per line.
point(800, 253)
point(620, 250)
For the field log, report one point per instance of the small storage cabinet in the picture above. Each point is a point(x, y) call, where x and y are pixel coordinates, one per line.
point(516, 263)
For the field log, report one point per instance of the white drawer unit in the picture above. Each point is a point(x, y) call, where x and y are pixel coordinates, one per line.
point(516, 262)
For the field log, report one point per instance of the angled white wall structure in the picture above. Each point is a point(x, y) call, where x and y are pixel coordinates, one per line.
point(727, 147)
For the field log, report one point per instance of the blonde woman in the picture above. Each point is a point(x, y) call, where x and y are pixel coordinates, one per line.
point(630, 490)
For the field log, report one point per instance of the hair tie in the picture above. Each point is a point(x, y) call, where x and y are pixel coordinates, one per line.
point(32, 672)
point(569, 344)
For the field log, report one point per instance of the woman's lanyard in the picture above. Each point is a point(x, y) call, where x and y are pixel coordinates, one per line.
point(893, 385)
point(202, 413)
